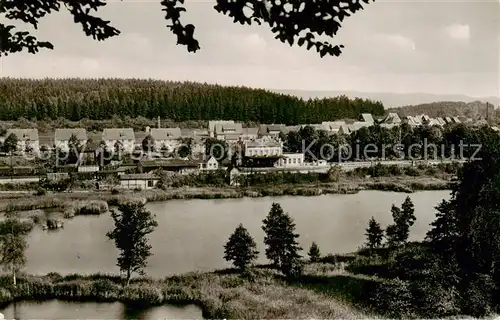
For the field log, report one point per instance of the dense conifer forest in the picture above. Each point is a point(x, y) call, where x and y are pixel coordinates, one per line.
point(99, 99)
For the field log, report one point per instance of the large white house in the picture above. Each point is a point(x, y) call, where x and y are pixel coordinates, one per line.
point(62, 137)
point(27, 139)
point(123, 136)
point(263, 147)
point(166, 138)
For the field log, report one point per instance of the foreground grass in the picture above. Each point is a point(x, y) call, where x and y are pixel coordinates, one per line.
point(22, 202)
point(259, 294)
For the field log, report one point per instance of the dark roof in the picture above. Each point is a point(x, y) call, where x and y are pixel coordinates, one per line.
point(172, 163)
point(138, 176)
point(24, 134)
point(118, 134)
point(65, 134)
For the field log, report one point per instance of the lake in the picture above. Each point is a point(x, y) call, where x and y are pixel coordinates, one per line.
point(191, 233)
point(55, 309)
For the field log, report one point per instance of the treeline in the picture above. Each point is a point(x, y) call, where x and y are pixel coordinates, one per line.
point(404, 142)
point(99, 99)
point(474, 110)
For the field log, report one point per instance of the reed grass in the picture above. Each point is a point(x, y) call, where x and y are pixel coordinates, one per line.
point(220, 294)
point(61, 200)
point(81, 207)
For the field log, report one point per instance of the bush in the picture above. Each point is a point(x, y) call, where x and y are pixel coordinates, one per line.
point(115, 191)
point(393, 299)
point(40, 192)
point(411, 171)
point(93, 207)
point(477, 298)
point(432, 300)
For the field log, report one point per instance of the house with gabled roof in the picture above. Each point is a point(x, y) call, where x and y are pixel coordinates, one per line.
point(333, 127)
point(393, 118)
point(213, 123)
point(166, 138)
point(27, 139)
point(228, 131)
point(123, 136)
point(271, 129)
point(62, 137)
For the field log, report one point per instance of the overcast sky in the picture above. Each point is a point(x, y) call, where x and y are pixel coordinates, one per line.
point(404, 46)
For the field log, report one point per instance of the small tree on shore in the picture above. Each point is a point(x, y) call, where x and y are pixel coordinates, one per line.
point(13, 244)
point(374, 234)
point(241, 248)
point(133, 223)
point(314, 253)
point(282, 247)
point(404, 218)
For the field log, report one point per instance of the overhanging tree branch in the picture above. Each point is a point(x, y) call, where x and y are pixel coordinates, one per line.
point(291, 21)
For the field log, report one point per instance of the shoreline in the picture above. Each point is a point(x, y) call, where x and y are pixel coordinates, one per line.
point(18, 201)
point(219, 294)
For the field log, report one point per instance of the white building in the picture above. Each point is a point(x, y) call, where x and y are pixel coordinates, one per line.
point(209, 165)
point(62, 137)
point(142, 181)
point(27, 139)
point(166, 138)
point(263, 147)
point(291, 160)
point(123, 136)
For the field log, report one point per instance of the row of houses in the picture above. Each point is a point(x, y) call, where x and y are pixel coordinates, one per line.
point(232, 132)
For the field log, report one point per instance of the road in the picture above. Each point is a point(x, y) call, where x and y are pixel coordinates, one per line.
point(347, 166)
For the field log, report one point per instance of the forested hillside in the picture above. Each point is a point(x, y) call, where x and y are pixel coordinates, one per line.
point(474, 110)
point(98, 99)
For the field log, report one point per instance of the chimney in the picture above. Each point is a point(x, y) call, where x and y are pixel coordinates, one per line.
point(159, 122)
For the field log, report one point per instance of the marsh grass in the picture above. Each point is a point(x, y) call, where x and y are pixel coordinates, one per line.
point(60, 200)
point(82, 207)
point(220, 294)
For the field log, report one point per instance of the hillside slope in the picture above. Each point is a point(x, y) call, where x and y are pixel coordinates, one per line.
point(474, 110)
point(98, 99)
point(390, 99)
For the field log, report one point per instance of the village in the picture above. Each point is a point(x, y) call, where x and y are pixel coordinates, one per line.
point(134, 156)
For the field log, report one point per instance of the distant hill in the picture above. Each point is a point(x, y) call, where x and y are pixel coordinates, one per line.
point(474, 110)
point(391, 100)
point(100, 99)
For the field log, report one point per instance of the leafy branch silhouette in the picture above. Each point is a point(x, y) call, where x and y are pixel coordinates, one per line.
point(295, 22)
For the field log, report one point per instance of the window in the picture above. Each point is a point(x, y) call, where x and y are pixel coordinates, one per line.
point(150, 184)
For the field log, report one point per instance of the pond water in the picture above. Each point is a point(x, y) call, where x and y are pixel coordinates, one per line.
point(191, 233)
point(56, 309)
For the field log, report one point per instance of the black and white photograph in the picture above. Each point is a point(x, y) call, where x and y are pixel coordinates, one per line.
point(249, 159)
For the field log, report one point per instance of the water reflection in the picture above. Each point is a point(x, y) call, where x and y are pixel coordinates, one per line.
point(191, 233)
point(55, 309)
